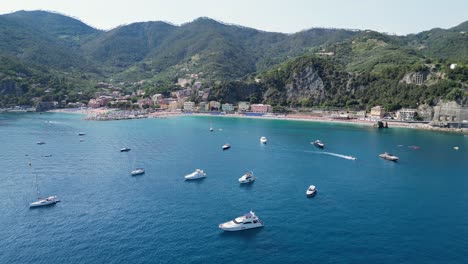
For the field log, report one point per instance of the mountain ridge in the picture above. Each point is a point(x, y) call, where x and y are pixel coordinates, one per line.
point(74, 54)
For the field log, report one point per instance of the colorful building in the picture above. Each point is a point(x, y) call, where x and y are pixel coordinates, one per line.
point(261, 108)
point(377, 112)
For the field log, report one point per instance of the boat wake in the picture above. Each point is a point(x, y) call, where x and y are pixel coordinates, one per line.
point(334, 154)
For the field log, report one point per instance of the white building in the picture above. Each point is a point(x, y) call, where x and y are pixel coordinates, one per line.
point(244, 106)
point(228, 107)
point(189, 106)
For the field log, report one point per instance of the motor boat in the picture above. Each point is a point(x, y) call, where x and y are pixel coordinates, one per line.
point(125, 149)
point(197, 174)
point(226, 146)
point(247, 177)
point(318, 144)
point(81, 134)
point(44, 201)
point(40, 142)
point(138, 171)
point(311, 191)
point(388, 156)
point(263, 140)
point(211, 129)
point(244, 222)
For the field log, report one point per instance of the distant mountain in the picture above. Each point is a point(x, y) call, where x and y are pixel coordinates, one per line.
point(203, 45)
point(57, 26)
point(55, 50)
point(442, 43)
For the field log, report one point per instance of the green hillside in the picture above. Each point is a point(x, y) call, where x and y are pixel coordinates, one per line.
point(41, 50)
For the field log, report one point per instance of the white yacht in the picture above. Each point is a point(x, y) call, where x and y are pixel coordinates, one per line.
point(263, 140)
point(125, 149)
point(44, 201)
point(247, 177)
point(318, 144)
point(40, 142)
point(138, 171)
point(388, 156)
point(197, 174)
point(311, 191)
point(226, 146)
point(247, 221)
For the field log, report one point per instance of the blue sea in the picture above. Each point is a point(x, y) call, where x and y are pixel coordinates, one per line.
point(367, 210)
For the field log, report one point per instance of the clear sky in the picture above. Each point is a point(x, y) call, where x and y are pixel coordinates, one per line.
point(392, 16)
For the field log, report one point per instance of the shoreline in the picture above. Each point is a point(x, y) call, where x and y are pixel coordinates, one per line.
point(108, 114)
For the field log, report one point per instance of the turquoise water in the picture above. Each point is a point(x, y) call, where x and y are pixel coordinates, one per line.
point(366, 211)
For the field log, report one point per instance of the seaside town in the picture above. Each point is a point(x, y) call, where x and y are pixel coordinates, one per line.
point(111, 103)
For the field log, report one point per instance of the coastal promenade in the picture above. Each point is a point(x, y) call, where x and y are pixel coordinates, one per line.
point(108, 114)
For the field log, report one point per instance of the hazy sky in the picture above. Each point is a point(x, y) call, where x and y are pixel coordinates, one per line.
point(392, 16)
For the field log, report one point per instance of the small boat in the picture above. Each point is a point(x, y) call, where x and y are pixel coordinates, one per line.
point(125, 149)
point(247, 177)
point(263, 140)
point(388, 156)
point(40, 142)
point(311, 191)
point(197, 174)
point(247, 221)
point(81, 140)
point(211, 129)
point(81, 134)
point(456, 148)
point(318, 144)
point(226, 146)
point(44, 201)
point(138, 171)
point(47, 156)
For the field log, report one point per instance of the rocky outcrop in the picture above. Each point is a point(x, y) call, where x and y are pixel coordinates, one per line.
point(306, 84)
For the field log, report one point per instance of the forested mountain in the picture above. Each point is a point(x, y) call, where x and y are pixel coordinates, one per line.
point(41, 50)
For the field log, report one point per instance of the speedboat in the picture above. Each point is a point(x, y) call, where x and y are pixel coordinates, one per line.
point(40, 142)
point(81, 134)
point(388, 156)
point(226, 146)
point(318, 144)
point(197, 174)
point(263, 140)
point(247, 177)
point(125, 149)
point(44, 201)
point(247, 221)
point(138, 171)
point(311, 191)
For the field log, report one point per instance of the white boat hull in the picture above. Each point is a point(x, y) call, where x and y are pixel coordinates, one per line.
point(231, 226)
point(45, 201)
point(195, 175)
point(311, 191)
